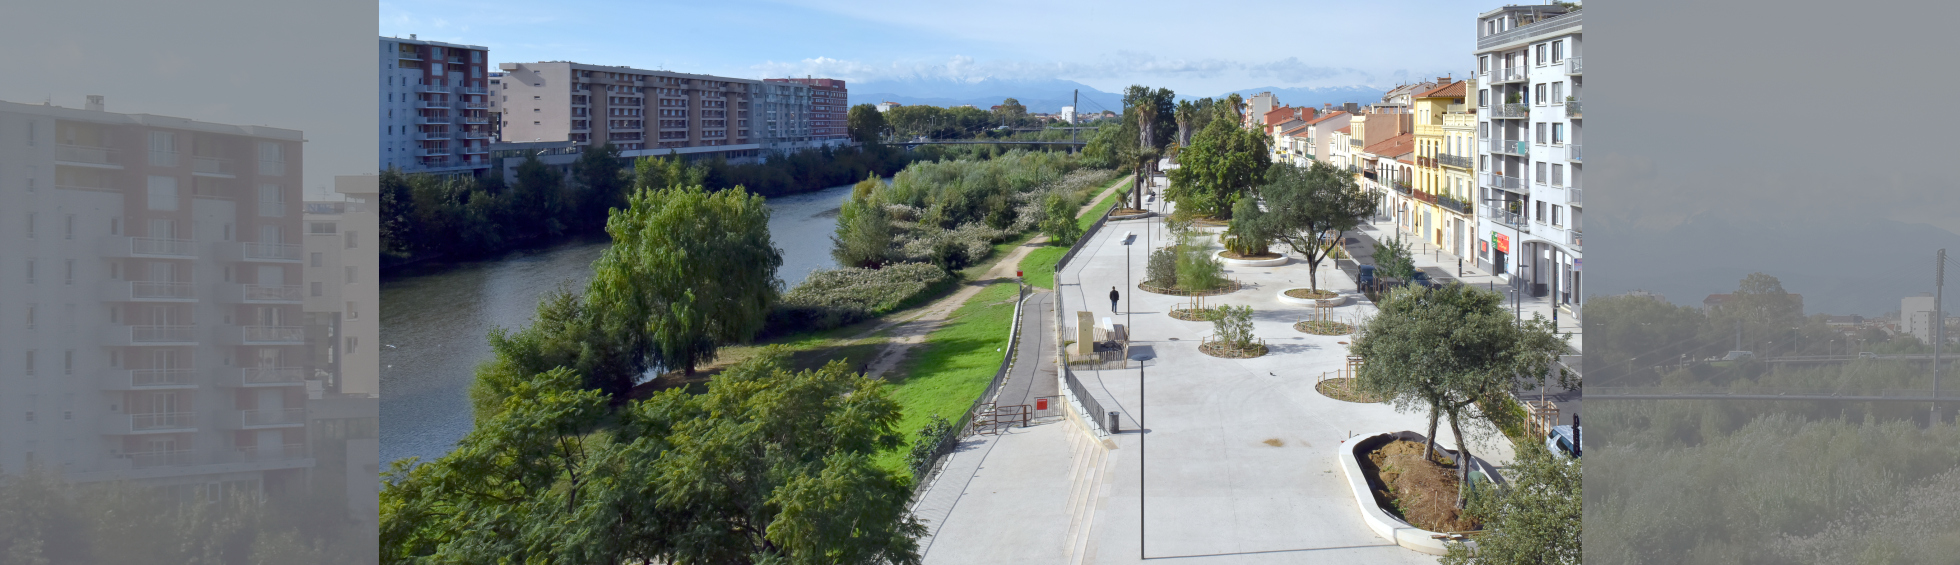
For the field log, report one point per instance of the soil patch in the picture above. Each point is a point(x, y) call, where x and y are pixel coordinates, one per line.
point(1127, 212)
point(1227, 351)
point(1343, 389)
point(1254, 257)
point(1229, 287)
point(1420, 491)
point(1211, 223)
point(1308, 294)
point(1275, 442)
point(1323, 327)
point(1195, 314)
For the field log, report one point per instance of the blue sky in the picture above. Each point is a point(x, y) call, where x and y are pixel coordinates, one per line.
point(1199, 48)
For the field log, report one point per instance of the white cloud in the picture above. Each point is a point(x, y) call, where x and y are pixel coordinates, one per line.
point(1122, 64)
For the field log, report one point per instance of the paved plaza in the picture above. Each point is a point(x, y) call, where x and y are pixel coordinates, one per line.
point(1239, 465)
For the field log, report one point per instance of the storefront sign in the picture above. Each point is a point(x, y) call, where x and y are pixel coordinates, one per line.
point(1503, 243)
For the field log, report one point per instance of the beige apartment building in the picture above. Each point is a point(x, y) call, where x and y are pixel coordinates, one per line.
point(150, 307)
point(343, 294)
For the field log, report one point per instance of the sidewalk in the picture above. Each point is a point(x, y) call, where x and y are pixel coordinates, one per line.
point(1443, 267)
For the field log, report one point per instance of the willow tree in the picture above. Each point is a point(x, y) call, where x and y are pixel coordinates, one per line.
point(696, 269)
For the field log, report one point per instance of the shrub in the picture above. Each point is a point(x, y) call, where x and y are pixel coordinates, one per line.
point(838, 297)
point(920, 460)
point(1233, 325)
point(1162, 268)
point(1197, 269)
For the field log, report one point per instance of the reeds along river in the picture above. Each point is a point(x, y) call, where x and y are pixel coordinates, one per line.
point(433, 326)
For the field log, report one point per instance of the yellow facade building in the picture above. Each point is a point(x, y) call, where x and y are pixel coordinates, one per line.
point(1444, 132)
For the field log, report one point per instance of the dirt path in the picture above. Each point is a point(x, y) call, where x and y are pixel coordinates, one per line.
point(911, 330)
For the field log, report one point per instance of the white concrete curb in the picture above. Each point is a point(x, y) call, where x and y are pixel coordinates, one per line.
point(1337, 300)
point(1383, 524)
point(1282, 260)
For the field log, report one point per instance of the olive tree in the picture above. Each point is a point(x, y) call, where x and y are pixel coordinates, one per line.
point(1311, 210)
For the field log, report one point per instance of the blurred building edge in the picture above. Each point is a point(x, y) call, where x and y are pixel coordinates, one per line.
point(153, 320)
point(343, 392)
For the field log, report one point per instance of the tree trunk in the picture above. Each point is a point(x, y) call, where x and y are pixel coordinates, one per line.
point(1429, 445)
point(1462, 463)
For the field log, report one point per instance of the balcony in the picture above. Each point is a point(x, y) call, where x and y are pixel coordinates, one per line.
point(212, 167)
point(433, 120)
point(163, 158)
point(261, 294)
point(101, 157)
point(1575, 196)
point(1574, 67)
point(410, 55)
point(432, 152)
point(1572, 110)
point(155, 459)
point(478, 90)
point(476, 149)
point(1507, 75)
point(1494, 180)
point(432, 87)
point(271, 335)
point(148, 291)
point(149, 379)
point(436, 104)
point(1454, 205)
point(253, 377)
point(260, 419)
point(255, 252)
point(133, 335)
point(1402, 187)
point(1523, 32)
point(1572, 152)
point(118, 246)
point(151, 423)
point(1354, 142)
point(1448, 160)
point(1510, 147)
point(1510, 111)
point(433, 136)
point(475, 120)
point(1511, 219)
point(476, 105)
point(271, 209)
point(272, 168)
point(270, 452)
point(476, 135)
point(1573, 238)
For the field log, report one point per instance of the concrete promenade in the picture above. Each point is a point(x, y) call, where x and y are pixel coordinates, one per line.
point(1239, 465)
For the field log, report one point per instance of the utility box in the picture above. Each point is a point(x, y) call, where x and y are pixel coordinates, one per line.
point(1085, 334)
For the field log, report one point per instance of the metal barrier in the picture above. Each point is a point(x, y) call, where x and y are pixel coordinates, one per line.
point(963, 427)
point(1092, 411)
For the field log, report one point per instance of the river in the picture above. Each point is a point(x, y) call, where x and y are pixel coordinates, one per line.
point(434, 326)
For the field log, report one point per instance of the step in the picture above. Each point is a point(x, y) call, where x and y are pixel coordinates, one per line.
point(1089, 480)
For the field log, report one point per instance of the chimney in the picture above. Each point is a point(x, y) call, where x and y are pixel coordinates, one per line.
point(411, 36)
point(95, 102)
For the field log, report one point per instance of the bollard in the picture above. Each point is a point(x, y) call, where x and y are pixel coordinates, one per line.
point(1115, 424)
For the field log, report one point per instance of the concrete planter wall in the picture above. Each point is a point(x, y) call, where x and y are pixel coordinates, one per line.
point(1384, 524)
point(1281, 260)
point(1337, 300)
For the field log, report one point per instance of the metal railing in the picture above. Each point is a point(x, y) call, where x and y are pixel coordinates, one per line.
point(275, 292)
point(474, 90)
point(1495, 180)
point(1458, 161)
point(161, 246)
point(1575, 238)
point(1354, 142)
point(162, 420)
point(152, 459)
point(1502, 75)
point(1520, 33)
point(272, 209)
point(280, 251)
point(1515, 110)
point(1092, 410)
point(1574, 67)
point(1508, 218)
point(272, 452)
point(142, 378)
point(283, 334)
point(1453, 204)
point(432, 87)
point(87, 154)
point(1510, 146)
point(271, 375)
point(272, 168)
point(162, 289)
point(1572, 110)
point(162, 334)
point(1575, 195)
point(1572, 152)
point(962, 428)
point(272, 417)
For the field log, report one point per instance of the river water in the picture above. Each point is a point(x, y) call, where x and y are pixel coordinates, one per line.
point(434, 326)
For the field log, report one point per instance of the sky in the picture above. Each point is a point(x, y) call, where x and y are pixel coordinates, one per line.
point(1197, 48)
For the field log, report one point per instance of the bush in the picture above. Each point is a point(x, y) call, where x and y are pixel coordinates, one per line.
point(1233, 325)
point(1197, 269)
point(838, 297)
point(1162, 268)
point(920, 460)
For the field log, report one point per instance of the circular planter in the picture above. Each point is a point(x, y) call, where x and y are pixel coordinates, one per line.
point(1274, 262)
point(1194, 315)
point(1319, 327)
point(1337, 300)
point(1339, 389)
point(1230, 287)
point(1216, 349)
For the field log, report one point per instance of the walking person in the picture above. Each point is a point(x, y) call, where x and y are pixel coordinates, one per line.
point(1113, 297)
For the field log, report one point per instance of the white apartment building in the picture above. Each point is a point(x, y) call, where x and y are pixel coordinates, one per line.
point(150, 316)
point(1916, 316)
point(342, 293)
point(1528, 158)
point(435, 107)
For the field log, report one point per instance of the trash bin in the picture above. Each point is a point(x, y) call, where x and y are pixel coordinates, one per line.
point(1115, 424)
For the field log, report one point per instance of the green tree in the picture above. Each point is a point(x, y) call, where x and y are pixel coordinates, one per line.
point(397, 210)
point(1533, 519)
point(1223, 164)
point(1011, 112)
point(698, 268)
point(1444, 350)
point(608, 349)
point(540, 193)
point(1252, 229)
point(1311, 210)
point(1058, 220)
point(1392, 259)
point(1151, 110)
point(599, 175)
point(864, 230)
point(865, 123)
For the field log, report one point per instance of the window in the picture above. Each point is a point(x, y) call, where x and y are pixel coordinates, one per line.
point(1541, 133)
point(1558, 93)
point(1483, 130)
point(353, 311)
point(1558, 51)
point(1541, 211)
point(163, 149)
point(1540, 48)
point(1540, 177)
point(316, 288)
point(322, 228)
point(1483, 64)
point(351, 343)
point(350, 240)
point(163, 193)
point(1558, 174)
point(350, 274)
point(1558, 133)
point(1541, 93)
point(1555, 214)
point(69, 229)
point(316, 259)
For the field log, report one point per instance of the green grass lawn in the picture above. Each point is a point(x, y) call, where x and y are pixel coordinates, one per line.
point(944, 374)
point(1097, 211)
point(1039, 265)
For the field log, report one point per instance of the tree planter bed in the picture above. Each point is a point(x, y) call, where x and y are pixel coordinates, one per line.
point(1226, 351)
point(1195, 314)
point(1230, 287)
point(1336, 299)
point(1383, 521)
point(1323, 327)
point(1257, 262)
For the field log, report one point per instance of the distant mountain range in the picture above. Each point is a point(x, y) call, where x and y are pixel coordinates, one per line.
point(1049, 96)
point(1841, 266)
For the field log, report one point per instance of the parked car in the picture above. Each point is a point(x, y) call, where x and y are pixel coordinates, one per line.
point(1563, 441)
point(1366, 276)
point(1422, 279)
